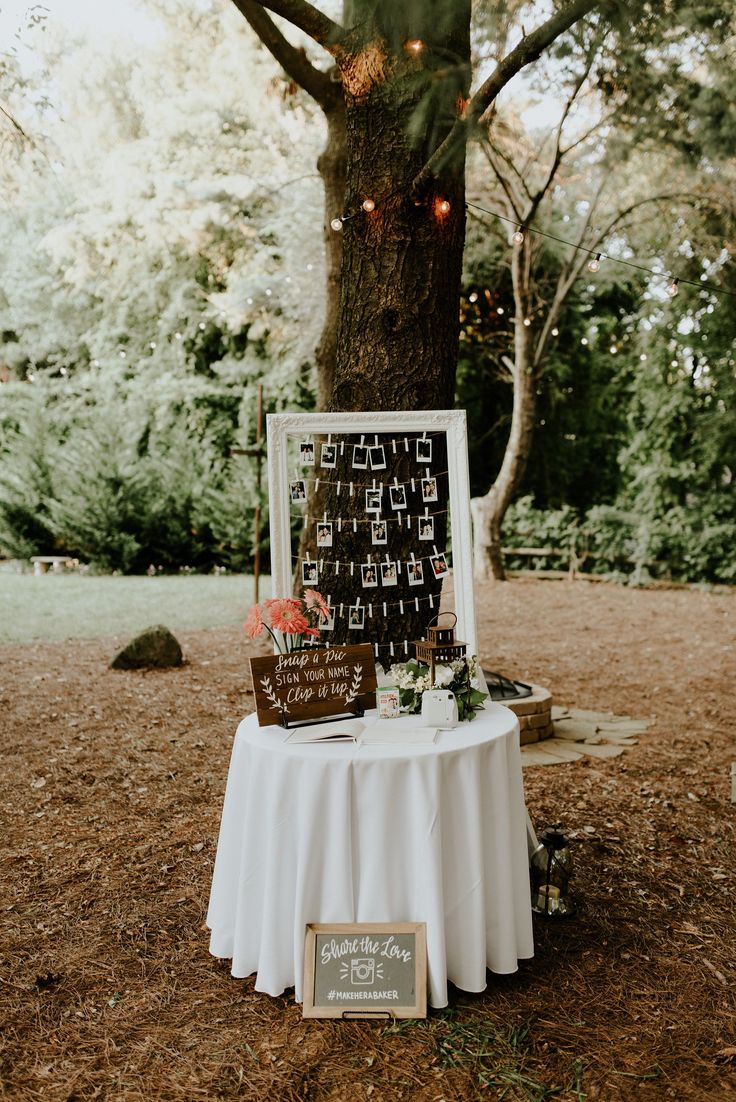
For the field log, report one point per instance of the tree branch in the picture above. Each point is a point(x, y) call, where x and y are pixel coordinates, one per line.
point(529, 49)
point(308, 19)
point(293, 61)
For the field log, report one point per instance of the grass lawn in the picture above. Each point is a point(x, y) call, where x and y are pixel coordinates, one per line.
point(74, 606)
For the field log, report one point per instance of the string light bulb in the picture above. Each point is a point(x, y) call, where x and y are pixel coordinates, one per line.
point(673, 288)
point(527, 321)
point(444, 206)
point(499, 310)
point(414, 46)
point(368, 205)
point(518, 237)
point(594, 263)
point(336, 224)
point(555, 332)
point(472, 297)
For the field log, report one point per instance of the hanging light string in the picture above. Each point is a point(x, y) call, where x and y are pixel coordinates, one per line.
point(597, 256)
point(443, 207)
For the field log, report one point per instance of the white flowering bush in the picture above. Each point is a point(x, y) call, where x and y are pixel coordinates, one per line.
point(413, 679)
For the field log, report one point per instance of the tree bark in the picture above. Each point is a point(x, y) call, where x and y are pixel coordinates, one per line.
point(397, 341)
point(332, 167)
point(488, 511)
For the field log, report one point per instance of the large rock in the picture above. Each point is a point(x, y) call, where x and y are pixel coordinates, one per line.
point(155, 647)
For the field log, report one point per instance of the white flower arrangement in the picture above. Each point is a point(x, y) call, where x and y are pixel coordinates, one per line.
point(459, 677)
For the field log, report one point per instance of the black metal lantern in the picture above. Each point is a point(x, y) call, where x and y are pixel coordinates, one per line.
point(440, 646)
point(551, 872)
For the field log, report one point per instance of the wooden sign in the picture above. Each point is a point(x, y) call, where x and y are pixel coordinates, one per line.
point(311, 684)
point(365, 970)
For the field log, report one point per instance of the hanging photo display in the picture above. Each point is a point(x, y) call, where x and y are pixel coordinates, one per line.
point(306, 453)
point(373, 521)
point(328, 456)
point(360, 457)
point(425, 526)
point(298, 491)
point(324, 534)
point(379, 533)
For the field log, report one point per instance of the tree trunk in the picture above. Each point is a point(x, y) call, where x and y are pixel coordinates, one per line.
point(332, 166)
point(488, 511)
point(397, 341)
point(398, 334)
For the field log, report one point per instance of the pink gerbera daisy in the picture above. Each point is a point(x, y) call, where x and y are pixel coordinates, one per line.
point(313, 599)
point(254, 622)
point(287, 616)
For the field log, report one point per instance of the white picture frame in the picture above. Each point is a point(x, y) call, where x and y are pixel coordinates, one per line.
point(285, 429)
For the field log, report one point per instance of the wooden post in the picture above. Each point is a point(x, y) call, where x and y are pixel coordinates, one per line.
point(257, 518)
point(258, 451)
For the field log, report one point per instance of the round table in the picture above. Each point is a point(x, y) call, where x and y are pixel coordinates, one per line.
point(384, 833)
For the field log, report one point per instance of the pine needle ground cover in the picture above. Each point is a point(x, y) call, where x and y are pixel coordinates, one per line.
point(113, 787)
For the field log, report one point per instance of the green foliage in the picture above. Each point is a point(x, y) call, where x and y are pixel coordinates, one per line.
point(132, 476)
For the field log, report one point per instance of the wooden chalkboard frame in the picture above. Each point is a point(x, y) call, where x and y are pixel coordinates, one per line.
point(356, 930)
point(281, 426)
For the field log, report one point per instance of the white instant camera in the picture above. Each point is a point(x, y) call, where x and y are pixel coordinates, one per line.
point(439, 708)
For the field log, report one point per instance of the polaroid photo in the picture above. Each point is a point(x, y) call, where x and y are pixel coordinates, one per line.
point(306, 453)
point(439, 566)
point(356, 617)
point(425, 526)
point(424, 450)
point(415, 572)
point(298, 490)
point(388, 573)
point(360, 457)
point(327, 623)
point(324, 533)
point(373, 501)
point(310, 573)
point(328, 455)
point(429, 489)
point(397, 495)
point(369, 575)
point(379, 535)
point(378, 457)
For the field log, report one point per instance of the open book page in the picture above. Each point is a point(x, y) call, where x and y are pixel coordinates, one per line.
point(399, 733)
point(342, 730)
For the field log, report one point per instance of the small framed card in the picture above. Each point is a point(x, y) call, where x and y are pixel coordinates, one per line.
point(306, 453)
point(388, 703)
point(373, 501)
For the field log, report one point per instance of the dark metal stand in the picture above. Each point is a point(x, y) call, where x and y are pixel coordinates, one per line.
point(502, 688)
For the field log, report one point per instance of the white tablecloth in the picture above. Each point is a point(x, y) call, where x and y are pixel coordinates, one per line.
point(348, 833)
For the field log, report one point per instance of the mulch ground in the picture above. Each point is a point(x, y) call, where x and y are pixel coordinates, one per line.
point(112, 791)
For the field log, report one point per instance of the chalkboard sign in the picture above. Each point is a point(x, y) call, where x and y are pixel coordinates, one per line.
point(365, 970)
point(310, 684)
